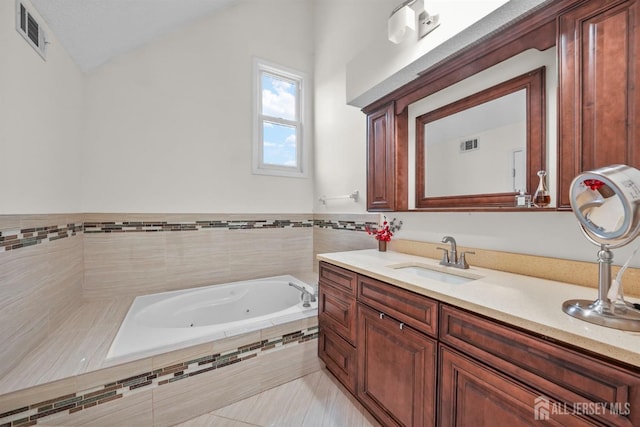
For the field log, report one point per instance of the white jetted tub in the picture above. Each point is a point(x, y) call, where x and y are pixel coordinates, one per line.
point(171, 320)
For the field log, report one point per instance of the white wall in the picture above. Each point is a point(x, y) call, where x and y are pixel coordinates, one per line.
point(343, 29)
point(41, 112)
point(383, 60)
point(169, 125)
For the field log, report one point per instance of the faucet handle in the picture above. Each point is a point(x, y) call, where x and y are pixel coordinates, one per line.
point(445, 256)
point(463, 260)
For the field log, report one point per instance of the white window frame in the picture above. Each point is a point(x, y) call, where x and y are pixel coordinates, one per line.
point(259, 167)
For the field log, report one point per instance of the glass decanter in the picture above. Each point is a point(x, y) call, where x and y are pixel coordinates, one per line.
point(542, 198)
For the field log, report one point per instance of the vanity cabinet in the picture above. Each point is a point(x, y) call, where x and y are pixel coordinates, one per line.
point(336, 320)
point(414, 361)
point(396, 357)
point(599, 71)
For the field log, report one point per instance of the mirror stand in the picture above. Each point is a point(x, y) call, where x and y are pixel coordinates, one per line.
point(606, 202)
point(618, 315)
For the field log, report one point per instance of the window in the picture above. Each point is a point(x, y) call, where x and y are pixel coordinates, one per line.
point(278, 141)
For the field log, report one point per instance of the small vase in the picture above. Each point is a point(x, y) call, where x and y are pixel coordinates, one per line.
point(542, 197)
point(382, 246)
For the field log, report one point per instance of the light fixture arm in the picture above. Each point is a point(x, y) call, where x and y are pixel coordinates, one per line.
point(406, 3)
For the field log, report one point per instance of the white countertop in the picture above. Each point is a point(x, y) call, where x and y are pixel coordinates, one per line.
point(527, 302)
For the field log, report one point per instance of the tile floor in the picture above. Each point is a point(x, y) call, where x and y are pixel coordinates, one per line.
point(315, 400)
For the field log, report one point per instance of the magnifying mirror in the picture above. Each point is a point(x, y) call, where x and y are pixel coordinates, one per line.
point(606, 202)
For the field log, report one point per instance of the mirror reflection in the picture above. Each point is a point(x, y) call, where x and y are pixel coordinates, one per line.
point(482, 150)
point(493, 133)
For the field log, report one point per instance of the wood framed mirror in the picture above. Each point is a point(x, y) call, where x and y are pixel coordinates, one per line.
point(480, 151)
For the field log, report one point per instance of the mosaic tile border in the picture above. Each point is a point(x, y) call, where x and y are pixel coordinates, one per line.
point(160, 226)
point(12, 240)
point(344, 225)
point(75, 402)
point(17, 239)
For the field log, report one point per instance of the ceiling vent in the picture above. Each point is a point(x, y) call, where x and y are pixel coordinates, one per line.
point(469, 145)
point(30, 29)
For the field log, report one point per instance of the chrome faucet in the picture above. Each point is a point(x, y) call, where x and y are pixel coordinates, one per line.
point(451, 260)
point(307, 297)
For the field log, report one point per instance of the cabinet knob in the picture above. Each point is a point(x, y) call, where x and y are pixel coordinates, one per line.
point(401, 326)
point(381, 316)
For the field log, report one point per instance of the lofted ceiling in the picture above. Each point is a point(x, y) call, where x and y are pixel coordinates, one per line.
point(94, 31)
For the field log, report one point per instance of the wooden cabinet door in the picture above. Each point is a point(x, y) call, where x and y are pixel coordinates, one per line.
point(396, 370)
point(386, 160)
point(599, 69)
point(473, 395)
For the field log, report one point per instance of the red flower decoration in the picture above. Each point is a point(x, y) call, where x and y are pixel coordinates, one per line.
point(385, 231)
point(593, 184)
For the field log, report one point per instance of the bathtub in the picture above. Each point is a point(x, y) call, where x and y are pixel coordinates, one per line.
point(171, 320)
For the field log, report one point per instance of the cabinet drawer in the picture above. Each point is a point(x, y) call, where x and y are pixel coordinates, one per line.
point(557, 372)
point(338, 278)
point(339, 356)
point(415, 310)
point(337, 310)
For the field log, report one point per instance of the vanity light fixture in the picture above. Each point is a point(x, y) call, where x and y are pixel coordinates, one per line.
point(402, 21)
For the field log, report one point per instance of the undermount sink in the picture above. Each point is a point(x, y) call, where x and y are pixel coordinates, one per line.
point(437, 273)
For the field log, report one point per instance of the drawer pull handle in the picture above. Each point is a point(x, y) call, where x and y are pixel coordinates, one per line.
point(381, 316)
point(401, 326)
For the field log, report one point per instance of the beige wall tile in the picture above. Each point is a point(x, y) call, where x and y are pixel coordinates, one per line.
point(327, 240)
point(33, 395)
point(269, 252)
point(99, 313)
point(285, 328)
point(39, 286)
point(133, 410)
point(119, 264)
point(20, 334)
point(197, 395)
point(63, 288)
point(231, 343)
point(23, 274)
point(140, 263)
point(196, 258)
point(295, 361)
point(105, 376)
point(182, 355)
point(188, 398)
